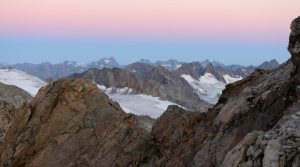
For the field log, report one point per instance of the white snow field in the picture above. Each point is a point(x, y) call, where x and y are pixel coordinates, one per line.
point(138, 104)
point(229, 79)
point(21, 79)
point(208, 87)
point(141, 104)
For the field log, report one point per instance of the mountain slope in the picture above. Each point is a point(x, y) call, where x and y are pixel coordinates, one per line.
point(72, 123)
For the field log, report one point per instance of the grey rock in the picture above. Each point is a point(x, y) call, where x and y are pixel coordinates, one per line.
point(296, 162)
point(14, 95)
point(291, 155)
point(246, 164)
point(257, 153)
point(272, 154)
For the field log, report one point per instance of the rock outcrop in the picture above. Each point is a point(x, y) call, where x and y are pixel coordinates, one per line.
point(14, 95)
point(72, 123)
point(294, 44)
point(280, 145)
point(7, 112)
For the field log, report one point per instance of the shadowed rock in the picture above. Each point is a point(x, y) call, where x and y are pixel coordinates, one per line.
point(294, 44)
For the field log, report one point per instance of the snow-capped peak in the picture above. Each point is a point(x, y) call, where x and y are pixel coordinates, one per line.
point(106, 61)
point(208, 87)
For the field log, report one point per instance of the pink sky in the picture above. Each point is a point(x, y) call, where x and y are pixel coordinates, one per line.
point(238, 19)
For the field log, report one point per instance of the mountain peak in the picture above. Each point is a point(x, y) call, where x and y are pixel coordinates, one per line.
point(145, 61)
point(269, 65)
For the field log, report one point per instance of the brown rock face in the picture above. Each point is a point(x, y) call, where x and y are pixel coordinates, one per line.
point(72, 123)
point(7, 112)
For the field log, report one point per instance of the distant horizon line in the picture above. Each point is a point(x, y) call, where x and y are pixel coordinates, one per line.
point(140, 60)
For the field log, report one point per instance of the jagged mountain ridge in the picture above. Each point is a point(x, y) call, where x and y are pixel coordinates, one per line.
point(181, 86)
point(48, 71)
point(207, 79)
point(159, 82)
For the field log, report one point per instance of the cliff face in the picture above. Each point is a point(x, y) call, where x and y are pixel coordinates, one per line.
point(72, 123)
point(280, 145)
point(294, 43)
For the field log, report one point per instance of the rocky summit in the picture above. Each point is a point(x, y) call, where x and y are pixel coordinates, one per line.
point(70, 122)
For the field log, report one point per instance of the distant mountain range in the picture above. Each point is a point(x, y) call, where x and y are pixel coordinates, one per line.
point(48, 71)
point(195, 86)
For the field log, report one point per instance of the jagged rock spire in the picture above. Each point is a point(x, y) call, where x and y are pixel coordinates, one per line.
point(294, 44)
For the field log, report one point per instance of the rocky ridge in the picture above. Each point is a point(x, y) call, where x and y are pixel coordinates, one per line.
point(278, 146)
point(72, 123)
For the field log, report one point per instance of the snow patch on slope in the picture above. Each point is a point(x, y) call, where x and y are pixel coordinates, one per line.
point(139, 104)
point(106, 61)
point(229, 79)
point(178, 66)
point(22, 80)
point(207, 87)
point(124, 90)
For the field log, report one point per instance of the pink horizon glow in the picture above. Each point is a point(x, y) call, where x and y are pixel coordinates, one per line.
point(256, 19)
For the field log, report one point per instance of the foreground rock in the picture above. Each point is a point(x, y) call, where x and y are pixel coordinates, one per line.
point(278, 146)
point(72, 123)
point(7, 112)
point(14, 95)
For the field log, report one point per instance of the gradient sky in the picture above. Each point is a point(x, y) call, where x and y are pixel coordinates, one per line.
point(232, 31)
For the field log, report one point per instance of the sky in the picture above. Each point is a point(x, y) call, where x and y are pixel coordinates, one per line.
point(244, 32)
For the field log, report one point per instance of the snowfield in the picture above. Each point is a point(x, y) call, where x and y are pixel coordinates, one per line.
point(230, 79)
point(141, 104)
point(208, 87)
point(22, 80)
point(137, 104)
